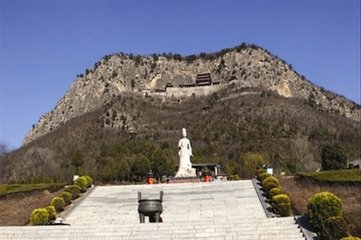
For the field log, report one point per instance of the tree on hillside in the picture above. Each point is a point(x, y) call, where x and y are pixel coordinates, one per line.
point(77, 160)
point(249, 163)
point(3, 152)
point(162, 163)
point(106, 168)
point(3, 149)
point(141, 166)
point(333, 157)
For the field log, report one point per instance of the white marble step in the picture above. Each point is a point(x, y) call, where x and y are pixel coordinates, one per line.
point(222, 210)
point(145, 230)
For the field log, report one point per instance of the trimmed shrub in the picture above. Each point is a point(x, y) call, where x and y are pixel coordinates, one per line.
point(82, 183)
point(74, 190)
point(270, 179)
point(89, 181)
point(58, 203)
point(39, 216)
point(282, 204)
point(234, 177)
point(263, 176)
point(284, 209)
point(67, 197)
point(335, 228)
point(275, 191)
point(322, 206)
point(281, 198)
point(52, 212)
point(269, 183)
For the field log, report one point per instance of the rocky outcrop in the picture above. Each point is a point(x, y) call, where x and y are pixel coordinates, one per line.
point(248, 66)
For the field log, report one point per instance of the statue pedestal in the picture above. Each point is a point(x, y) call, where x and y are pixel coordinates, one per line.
point(184, 179)
point(186, 172)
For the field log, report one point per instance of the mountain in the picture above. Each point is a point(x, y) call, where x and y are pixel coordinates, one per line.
point(123, 117)
point(246, 66)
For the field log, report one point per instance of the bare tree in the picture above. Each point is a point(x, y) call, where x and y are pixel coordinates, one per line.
point(302, 150)
point(4, 149)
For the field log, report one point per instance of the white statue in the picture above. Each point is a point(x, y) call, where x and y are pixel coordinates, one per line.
point(185, 152)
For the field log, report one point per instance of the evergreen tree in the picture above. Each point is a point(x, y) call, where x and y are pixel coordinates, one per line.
point(333, 157)
point(77, 160)
point(161, 163)
point(141, 166)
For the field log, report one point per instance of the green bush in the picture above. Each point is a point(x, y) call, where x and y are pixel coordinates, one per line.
point(52, 212)
point(322, 206)
point(282, 204)
point(270, 179)
point(270, 185)
point(275, 191)
point(74, 190)
point(335, 228)
point(263, 176)
point(351, 238)
point(281, 198)
point(58, 203)
point(67, 197)
point(234, 177)
point(82, 183)
point(333, 157)
point(260, 172)
point(284, 209)
point(39, 216)
point(89, 181)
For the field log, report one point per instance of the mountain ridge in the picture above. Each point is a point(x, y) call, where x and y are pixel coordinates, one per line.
point(246, 66)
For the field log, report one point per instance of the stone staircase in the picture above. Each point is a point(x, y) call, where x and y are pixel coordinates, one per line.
point(216, 210)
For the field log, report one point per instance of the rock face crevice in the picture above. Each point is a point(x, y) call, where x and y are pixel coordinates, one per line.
point(248, 66)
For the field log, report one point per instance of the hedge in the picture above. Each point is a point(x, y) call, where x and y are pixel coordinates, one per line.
point(82, 183)
point(275, 191)
point(74, 190)
point(284, 209)
point(281, 201)
point(67, 196)
point(39, 216)
point(58, 203)
point(281, 198)
point(270, 185)
point(52, 212)
point(270, 179)
point(351, 238)
point(89, 181)
point(282, 204)
point(263, 176)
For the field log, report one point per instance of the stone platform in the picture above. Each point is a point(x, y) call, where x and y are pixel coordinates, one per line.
point(184, 180)
point(215, 210)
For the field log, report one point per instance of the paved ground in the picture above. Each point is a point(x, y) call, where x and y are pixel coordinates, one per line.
point(216, 210)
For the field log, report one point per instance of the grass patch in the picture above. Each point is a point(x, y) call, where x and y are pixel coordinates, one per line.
point(340, 176)
point(6, 189)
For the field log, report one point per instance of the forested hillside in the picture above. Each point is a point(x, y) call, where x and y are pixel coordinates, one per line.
point(227, 127)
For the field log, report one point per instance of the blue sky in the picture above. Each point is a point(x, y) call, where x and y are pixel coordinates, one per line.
point(44, 44)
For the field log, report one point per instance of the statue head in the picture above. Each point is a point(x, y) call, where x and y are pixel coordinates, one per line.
point(184, 132)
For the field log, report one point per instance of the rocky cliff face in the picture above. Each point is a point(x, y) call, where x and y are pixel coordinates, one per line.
point(248, 66)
